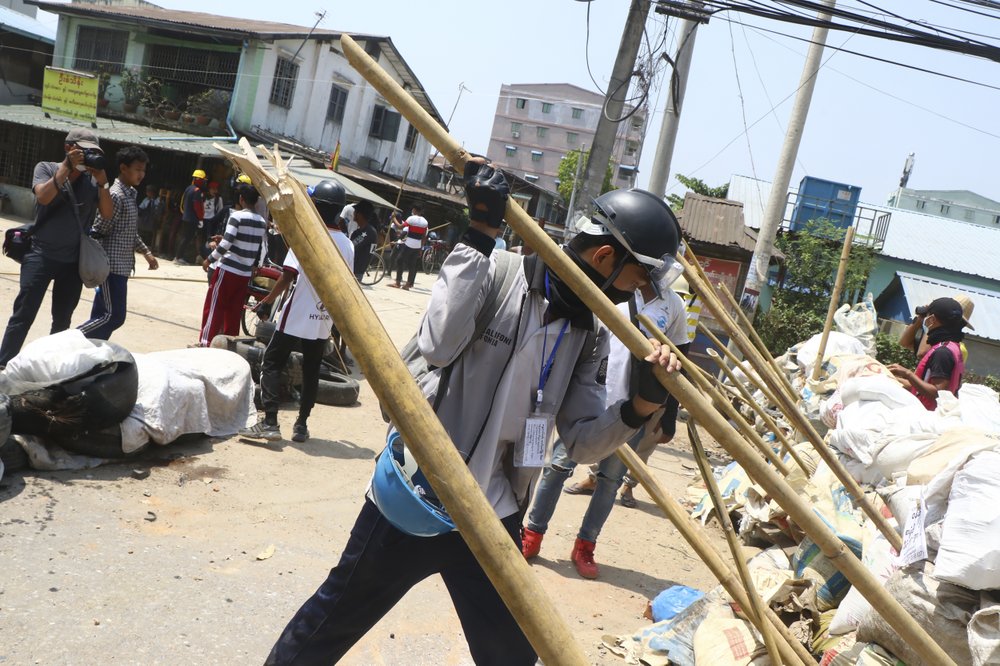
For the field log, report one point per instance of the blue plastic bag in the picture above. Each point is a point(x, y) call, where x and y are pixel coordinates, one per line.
point(673, 600)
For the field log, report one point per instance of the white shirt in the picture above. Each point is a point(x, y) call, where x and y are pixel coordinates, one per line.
point(416, 227)
point(348, 215)
point(670, 317)
point(303, 313)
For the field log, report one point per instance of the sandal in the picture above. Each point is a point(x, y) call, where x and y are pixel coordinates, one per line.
point(580, 488)
point(627, 500)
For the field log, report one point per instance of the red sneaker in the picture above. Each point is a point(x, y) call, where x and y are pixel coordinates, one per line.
point(583, 558)
point(531, 543)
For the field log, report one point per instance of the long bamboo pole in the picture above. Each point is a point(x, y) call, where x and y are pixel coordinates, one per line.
point(838, 286)
point(792, 650)
point(703, 383)
point(427, 439)
point(756, 610)
point(700, 408)
point(755, 379)
point(787, 404)
point(788, 447)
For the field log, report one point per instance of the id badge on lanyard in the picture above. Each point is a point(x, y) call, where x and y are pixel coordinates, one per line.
point(534, 448)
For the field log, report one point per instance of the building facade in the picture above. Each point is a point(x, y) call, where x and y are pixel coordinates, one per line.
point(537, 124)
point(961, 205)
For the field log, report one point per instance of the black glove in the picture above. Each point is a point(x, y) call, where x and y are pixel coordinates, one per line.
point(486, 190)
point(648, 387)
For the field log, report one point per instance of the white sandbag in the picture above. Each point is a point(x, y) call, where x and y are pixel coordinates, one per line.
point(959, 442)
point(942, 609)
point(52, 360)
point(189, 391)
point(898, 452)
point(829, 408)
point(877, 556)
point(984, 634)
point(980, 407)
point(901, 501)
point(858, 444)
point(837, 344)
point(720, 641)
point(969, 554)
point(881, 388)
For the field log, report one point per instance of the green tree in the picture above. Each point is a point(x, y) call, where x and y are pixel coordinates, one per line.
point(567, 173)
point(698, 186)
point(799, 303)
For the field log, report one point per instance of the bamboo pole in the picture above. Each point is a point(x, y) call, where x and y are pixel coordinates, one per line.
point(703, 382)
point(426, 438)
point(696, 405)
point(759, 411)
point(728, 353)
point(792, 651)
point(838, 286)
point(756, 610)
point(788, 404)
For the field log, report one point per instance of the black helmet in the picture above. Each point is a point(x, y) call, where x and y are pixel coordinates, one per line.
point(644, 224)
point(330, 198)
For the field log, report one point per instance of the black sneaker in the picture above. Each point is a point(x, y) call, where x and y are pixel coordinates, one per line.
point(261, 430)
point(300, 432)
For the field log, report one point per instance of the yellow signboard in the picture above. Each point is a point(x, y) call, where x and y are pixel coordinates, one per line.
point(69, 93)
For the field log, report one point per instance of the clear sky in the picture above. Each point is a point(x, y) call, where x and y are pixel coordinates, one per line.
point(865, 117)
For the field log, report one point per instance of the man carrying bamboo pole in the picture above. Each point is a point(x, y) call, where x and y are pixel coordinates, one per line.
point(539, 362)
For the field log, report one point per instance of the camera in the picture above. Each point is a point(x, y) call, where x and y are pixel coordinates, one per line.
point(94, 159)
point(922, 310)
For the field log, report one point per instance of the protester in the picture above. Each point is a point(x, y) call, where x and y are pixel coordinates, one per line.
point(192, 216)
point(606, 477)
point(119, 236)
point(941, 367)
point(914, 337)
point(150, 212)
point(232, 262)
point(55, 244)
point(364, 237)
point(347, 221)
point(408, 258)
point(303, 322)
point(213, 202)
point(543, 343)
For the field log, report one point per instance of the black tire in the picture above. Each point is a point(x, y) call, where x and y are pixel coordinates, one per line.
point(264, 331)
point(250, 317)
point(104, 443)
point(375, 271)
point(13, 457)
point(427, 260)
point(338, 390)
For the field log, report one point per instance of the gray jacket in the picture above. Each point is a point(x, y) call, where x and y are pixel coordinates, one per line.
point(493, 384)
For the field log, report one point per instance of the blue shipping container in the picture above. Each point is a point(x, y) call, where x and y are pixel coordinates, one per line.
point(820, 198)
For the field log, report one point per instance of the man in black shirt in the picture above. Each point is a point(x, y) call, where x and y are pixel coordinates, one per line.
point(364, 237)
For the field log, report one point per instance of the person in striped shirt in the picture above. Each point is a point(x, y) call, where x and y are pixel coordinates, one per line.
point(232, 262)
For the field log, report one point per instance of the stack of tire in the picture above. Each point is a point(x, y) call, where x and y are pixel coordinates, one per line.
point(336, 388)
point(83, 415)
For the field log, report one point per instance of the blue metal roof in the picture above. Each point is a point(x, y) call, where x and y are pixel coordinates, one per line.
point(23, 24)
point(985, 318)
point(943, 243)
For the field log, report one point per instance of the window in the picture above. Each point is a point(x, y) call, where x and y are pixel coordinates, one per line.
point(98, 49)
point(542, 132)
point(411, 139)
point(184, 64)
point(385, 124)
point(515, 130)
point(283, 86)
point(577, 113)
point(631, 147)
point(546, 107)
point(536, 156)
point(945, 209)
point(338, 103)
point(921, 205)
point(373, 49)
point(970, 215)
point(510, 150)
point(626, 172)
point(996, 219)
point(572, 138)
point(636, 123)
point(521, 102)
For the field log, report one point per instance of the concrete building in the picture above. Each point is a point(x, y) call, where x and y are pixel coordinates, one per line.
point(537, 124)
point(25, 49)
point(961, 205)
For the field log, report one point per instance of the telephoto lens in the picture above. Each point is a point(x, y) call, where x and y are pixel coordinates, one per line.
point(921, 310)
point(94, 159)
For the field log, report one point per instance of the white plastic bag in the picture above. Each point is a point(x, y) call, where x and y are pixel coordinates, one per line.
point(969, 554)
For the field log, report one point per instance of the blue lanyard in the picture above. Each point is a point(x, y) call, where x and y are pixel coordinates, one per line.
point(546, 369)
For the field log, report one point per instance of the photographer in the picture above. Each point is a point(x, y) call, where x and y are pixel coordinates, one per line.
point(55, 246)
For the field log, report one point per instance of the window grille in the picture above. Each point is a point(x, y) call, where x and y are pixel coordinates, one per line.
point(99, 49)
point(283, 86)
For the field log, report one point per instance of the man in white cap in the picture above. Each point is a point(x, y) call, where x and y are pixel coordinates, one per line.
point(67, 196)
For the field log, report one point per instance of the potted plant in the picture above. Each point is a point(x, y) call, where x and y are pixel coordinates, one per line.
point(151, 98)
point(208, 104)
point(132, 88)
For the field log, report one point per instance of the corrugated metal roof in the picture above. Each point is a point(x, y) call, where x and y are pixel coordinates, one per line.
point(937, 241)
point(117, 130)
point(716, 221)
point(25, 25)
point(311, 176)
point(986, 315)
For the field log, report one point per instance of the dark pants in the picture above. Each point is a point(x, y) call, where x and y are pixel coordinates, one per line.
point(36, 274)
point(110, 308)
point(188, 232)
point(275, 358)
point(408, 259)
point(378, 566)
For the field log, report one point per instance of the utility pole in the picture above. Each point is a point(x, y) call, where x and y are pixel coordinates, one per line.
point(774, 212)
point(660, 172)
point(604, 137)
point(569, 229)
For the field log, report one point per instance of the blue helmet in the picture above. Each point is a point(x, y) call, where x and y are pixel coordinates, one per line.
point(404, 496)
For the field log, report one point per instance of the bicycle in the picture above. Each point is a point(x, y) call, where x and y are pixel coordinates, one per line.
point(254, 311)
point(376, 269)
point(432, 256)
